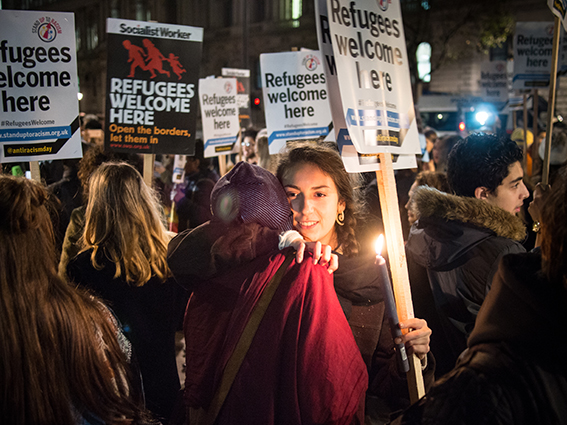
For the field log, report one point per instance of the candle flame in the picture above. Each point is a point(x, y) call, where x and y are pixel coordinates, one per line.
point(379, 244)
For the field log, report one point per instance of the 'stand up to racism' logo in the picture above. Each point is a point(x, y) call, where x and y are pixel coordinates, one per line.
point(227, 87)
point(383, 4)
point(46, 28)
point(311, 62)
point(151, 59)
point(549, 30)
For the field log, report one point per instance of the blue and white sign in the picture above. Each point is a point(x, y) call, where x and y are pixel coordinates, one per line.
point(533, 45)
point(219, 112)
point(365, 162)
point(38, 87)
point(295, 97)
point(370, 59)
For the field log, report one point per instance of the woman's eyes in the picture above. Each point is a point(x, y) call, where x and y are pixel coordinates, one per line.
point(293, 195)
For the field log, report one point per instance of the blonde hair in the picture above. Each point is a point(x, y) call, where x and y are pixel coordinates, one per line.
point(124, 223)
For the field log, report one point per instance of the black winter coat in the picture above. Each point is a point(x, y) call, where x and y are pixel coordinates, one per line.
point(149, 316)
point(514, 371)
point(460, 242)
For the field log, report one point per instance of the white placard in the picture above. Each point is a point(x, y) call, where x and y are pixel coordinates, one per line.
point(365, 162)
point(295, 97)
point(372, 66)
point(494, 81)
point(178, 175)
point(354, 162)
point(243, 89)
point(38, 87)
point(219, 113)
point(533, 42)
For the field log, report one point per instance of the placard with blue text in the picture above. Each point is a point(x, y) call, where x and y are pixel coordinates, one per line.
point(38, 87)
point(295, 97)
point(219, 115)
point(372, 66)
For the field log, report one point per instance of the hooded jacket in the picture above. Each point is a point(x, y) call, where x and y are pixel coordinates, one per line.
point(514, 371)
point(460, 241)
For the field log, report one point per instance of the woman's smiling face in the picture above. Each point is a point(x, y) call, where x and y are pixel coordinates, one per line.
point(315, 203)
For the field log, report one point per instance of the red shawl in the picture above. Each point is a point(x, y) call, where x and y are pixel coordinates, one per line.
point(303, 366)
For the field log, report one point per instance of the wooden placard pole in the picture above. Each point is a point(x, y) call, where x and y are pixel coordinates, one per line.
point(222, 165)
point(149, 160)
point(551, 101)
point(525, 144)
point(34, 170)
point(536, 116)
point(398, 265)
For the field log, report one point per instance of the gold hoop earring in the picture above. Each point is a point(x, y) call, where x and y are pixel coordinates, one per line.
point(340, 218)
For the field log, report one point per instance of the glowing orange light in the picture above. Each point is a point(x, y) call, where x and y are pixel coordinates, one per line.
point(462, 126)
point(379, 244)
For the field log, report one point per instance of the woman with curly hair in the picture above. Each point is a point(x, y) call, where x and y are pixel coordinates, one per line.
point(61, 361)
point(326, 209)
point(124, 262)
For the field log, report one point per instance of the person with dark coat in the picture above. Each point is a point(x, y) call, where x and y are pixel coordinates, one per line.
point(193, 196)
point(302, 365)
point(514, 371)
point(461, 238)
point(123, 261)
point(325, 209)
point(92, 159)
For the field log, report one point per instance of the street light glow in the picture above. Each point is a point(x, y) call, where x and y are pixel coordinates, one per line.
point(482, 117)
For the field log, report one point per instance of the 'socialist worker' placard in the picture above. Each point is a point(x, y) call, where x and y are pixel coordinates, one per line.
point(219, 112)
point(38, 85)
point(295, 97)
point(153, 72)
point(372, 66)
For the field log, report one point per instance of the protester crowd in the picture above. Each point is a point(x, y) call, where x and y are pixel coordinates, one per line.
point(270, 275)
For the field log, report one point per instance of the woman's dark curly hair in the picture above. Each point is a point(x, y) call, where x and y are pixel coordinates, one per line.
point(328, 160)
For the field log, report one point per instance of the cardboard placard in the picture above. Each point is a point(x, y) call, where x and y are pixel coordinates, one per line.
point(219, 114)
point(38, 87)
point(295, 97)
point(373, 73)
point(152, 77)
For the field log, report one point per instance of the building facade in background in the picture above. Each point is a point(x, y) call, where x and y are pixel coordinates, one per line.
point(236, 32)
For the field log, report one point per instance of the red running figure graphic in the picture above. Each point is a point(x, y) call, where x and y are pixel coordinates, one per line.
point(155, 59)
point(136, 56)
point(176, 65)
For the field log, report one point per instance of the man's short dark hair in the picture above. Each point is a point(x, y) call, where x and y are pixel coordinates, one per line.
point(481, 160)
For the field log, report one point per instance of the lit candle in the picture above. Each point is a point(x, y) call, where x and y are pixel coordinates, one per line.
point(390, 303)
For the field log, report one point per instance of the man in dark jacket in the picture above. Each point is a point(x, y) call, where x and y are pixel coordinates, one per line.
point(461, 238)
point(514, 371)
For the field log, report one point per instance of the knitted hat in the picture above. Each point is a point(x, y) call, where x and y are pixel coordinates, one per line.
point(252, 194)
